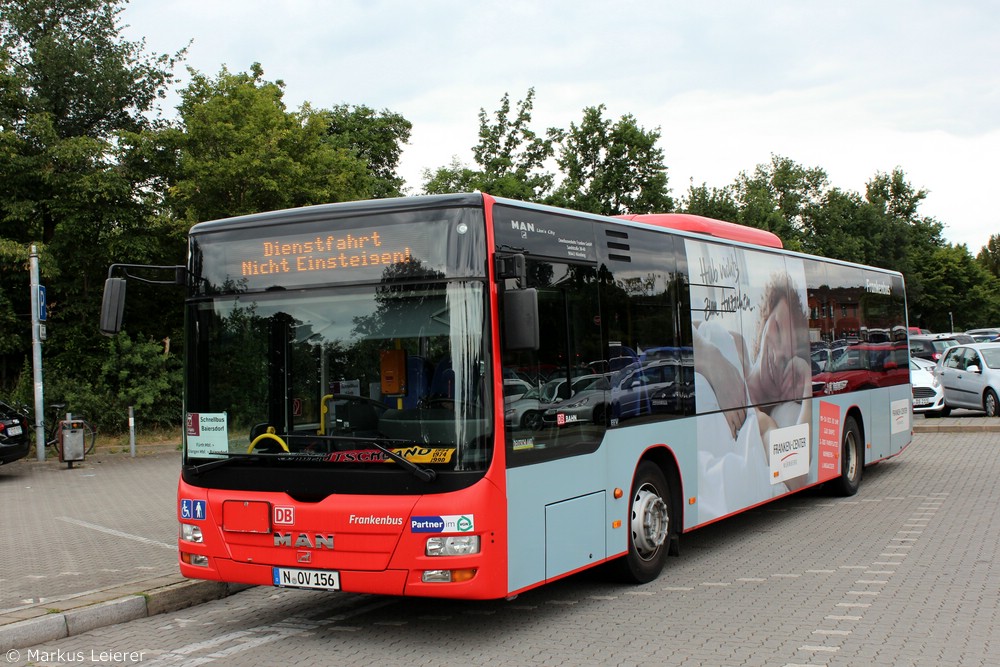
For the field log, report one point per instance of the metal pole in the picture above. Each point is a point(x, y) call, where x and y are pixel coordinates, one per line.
point(131, 430)
point(36, 357)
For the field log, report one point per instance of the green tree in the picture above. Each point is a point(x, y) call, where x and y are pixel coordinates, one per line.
point(611, 168)
point(510, 157)
point(903, 233)
point(835, 228)
point(779, 197)
point(73, 96)
point(989, 256)
point(955, 288)
point(717, 203)
point(456, 177)
point(897, 237)
point(376, 138)
point(242, 152)
point(70, 85)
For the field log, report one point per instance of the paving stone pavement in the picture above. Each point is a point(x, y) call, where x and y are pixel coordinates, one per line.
point(89, 545)
point(94, 545)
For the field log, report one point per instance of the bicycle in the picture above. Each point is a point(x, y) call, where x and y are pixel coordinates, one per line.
point(53, 427)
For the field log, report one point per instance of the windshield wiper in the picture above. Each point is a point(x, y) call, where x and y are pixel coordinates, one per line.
point(423, 474)
point(230, 457)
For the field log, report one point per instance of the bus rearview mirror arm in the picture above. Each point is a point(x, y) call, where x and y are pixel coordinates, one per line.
point(511, 266)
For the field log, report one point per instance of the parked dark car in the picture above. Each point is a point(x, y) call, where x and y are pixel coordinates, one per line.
point(930, 347)
point(14, 431)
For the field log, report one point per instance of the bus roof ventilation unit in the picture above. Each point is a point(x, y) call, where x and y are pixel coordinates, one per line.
point(698, 224)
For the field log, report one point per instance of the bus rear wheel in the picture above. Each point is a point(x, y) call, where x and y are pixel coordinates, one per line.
point(651, 520)
point(852, 460)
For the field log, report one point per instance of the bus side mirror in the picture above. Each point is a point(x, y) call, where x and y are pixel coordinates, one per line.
point(112, 306)
point(520, 325)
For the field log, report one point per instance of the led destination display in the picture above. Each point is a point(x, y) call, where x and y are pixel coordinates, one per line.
point(251, 259)
point(324, 254)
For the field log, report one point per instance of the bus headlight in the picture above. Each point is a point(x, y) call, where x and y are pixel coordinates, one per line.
point(456, 545)
point(191, 533)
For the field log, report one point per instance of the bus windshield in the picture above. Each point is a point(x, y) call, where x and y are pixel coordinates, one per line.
point(355, 377)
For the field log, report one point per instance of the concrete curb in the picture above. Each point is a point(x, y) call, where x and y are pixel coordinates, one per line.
point(952, 428)
point(58, 625)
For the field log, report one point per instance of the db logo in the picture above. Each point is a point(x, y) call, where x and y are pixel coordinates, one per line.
point(284, 516)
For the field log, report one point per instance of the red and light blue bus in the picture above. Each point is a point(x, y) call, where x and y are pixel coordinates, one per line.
point(464, 396)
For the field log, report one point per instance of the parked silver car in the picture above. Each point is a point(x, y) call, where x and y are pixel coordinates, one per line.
point(526, 412)
point(970, 377)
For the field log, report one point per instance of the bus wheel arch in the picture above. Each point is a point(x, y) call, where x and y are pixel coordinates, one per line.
point(653, 519)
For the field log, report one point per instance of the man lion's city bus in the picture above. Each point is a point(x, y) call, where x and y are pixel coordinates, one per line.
point(464, 396)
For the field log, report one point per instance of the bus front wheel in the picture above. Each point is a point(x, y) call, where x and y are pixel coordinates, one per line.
point(650, 524)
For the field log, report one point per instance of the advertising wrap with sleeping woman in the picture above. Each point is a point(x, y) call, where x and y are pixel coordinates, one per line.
point(753, 380)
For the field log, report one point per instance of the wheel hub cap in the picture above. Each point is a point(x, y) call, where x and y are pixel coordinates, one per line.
point(650, 522)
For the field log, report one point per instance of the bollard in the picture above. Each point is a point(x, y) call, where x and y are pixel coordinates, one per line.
point(131, 430)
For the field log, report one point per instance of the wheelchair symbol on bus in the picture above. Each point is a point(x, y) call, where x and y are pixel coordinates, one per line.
point(193, 509)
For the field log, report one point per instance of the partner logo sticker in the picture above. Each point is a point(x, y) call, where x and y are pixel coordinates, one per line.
point(451, 523)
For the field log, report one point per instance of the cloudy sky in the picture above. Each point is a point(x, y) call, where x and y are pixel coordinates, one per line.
point(854, 87)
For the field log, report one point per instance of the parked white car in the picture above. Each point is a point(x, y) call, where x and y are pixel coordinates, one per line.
point(970, 377)
point(928, 398)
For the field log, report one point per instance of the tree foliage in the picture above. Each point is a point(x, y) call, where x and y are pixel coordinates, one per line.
point(375, 138)
point(989, 256)
point(73, 96)
point(714, 202)
point(612, 168)
point(455, 177)
point(510, 155)
point(241, 151)
point(778, 197)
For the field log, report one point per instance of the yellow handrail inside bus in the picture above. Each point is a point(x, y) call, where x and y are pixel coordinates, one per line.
point(324, 409)
point(267, 436)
